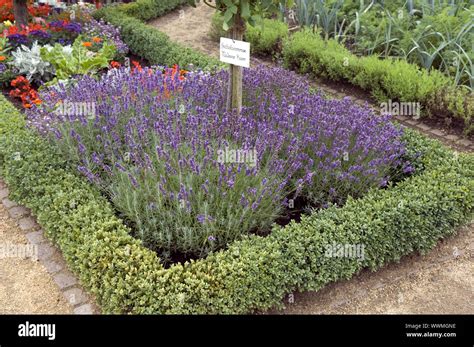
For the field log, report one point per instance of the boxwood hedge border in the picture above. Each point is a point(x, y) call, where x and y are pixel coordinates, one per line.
point(252, 274)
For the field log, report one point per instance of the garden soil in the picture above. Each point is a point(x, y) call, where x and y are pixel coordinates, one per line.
point(440, 282)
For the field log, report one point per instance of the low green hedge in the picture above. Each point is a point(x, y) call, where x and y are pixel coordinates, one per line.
point(146, 10)
point(307, 52)
point(252, 274)
point(147, 41)
point(265, 39)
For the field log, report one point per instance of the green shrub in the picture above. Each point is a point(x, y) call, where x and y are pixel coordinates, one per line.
point(253, 274)
point(267, 38)
point(146, 10)
point(371, 76)
point(450, 101)
point(307, 52)
point(398, 80)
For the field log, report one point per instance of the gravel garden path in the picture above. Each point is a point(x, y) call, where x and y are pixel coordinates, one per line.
point(34, 278)
point(25, 285)
point(439, 282)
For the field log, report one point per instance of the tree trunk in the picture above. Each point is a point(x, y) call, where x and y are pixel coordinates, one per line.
point(235, 72)
point(20, 11)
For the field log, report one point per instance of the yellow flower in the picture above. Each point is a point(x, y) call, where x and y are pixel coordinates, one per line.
point(7, 23)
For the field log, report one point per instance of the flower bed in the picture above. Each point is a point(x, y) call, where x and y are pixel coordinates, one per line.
point(54, 49)
point(161, 146)
point(251, 274)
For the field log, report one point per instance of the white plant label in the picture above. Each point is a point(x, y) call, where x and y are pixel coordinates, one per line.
point(235, 52)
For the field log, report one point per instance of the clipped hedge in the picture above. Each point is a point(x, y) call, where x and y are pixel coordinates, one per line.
point(252, 274)
point(307, 52)
point(147, 41)
point(146, 10)
point(265, 39)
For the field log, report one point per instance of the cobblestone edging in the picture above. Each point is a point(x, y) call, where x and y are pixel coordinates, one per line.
point(49, 256)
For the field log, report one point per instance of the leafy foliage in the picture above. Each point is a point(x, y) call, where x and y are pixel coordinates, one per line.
point(431, 34)
point(29, 62)
point(250, 11)
point(77, 59)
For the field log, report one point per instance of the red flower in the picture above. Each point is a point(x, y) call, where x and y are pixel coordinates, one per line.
point(24, 91)
point(137, 66)
point(115, 64)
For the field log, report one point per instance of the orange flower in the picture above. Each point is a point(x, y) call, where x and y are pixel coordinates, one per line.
point(137, 65)
point(114, 64)
point(2, 57)
point(96, 39)
point(87, 44)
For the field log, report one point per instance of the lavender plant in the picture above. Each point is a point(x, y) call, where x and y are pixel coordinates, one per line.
point(191, 177)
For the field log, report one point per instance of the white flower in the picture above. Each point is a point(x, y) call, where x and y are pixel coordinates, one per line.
point(67, 49)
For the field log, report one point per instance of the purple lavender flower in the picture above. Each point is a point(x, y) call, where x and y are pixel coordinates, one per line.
point(17, 39)
point(408, 169)
point(73, 27)
point(40, 34)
